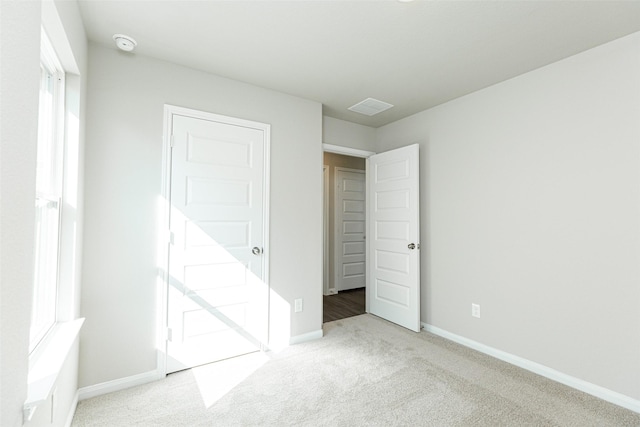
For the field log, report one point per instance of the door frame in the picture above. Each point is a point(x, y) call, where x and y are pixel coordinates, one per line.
point(337, 230)
point(325, 229)
point(164, 215)
point(353, 152)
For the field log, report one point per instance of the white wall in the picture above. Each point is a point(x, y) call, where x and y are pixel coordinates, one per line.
point(347, 134)
point(123, 183)
point(19, 82)
point(20, 44)
point(531, 207)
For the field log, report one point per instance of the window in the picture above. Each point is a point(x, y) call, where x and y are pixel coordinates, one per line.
point(48, 197)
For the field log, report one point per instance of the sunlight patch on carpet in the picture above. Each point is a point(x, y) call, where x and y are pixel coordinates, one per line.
point(215, 380)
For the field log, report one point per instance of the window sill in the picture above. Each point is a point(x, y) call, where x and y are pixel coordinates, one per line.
point(47, 364)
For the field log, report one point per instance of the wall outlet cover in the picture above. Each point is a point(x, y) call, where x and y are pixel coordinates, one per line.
point(475, 310)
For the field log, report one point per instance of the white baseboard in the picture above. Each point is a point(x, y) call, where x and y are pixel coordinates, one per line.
point(72, 410)
point(587, 387)
point(310, 336)
point(332, 291)
point(119, 384)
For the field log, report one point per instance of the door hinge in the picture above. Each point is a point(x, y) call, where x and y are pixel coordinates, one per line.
point(169, 333)
point(172, 140)
point(171, 238)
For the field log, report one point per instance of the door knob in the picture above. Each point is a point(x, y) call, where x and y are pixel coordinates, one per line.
point(412, 246)
point(256, 250)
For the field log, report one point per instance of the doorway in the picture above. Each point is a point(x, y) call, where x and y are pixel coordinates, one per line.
point(344, 293)
point(392, 218)
point(216, 278)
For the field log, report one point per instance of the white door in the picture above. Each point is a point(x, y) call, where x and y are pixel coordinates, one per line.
point(393, 290)
point(217, 288)
point(350, 215)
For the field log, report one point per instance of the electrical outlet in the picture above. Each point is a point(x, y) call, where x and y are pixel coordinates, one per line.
point(298, 305)
point(475, 310)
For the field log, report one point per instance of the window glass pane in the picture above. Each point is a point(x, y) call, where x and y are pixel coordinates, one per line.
point(43, 314)
point(45, 168)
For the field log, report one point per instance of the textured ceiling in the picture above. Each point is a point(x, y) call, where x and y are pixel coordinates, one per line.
point(413, 55)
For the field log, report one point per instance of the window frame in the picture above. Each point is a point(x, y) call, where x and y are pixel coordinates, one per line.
point(46, 289)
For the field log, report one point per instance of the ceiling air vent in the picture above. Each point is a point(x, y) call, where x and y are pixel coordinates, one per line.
point(370, 107)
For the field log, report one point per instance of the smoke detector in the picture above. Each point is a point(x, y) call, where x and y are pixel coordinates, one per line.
point(125, 43)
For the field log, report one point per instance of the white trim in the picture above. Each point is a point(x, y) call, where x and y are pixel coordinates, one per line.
point(576, 383)
point(55, 29)
point(309, 336)
point(204, 115)
point(266, 218)
point(72, 411)
point(46, 363)
point(165, 214)
point(367, 224)
point(329, 148)
point(120, 384)
point(326, 280)
point(164, 211)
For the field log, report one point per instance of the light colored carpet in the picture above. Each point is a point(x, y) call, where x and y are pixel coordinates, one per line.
point(364, 372)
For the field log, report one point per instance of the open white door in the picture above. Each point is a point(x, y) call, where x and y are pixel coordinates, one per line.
point(393, 283)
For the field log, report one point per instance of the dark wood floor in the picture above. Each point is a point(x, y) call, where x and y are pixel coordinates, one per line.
point(343, 304)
